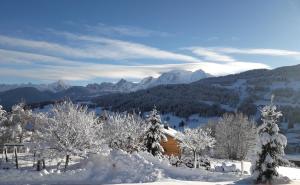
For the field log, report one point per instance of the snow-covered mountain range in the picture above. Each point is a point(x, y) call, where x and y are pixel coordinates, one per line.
point(171, 77)
point(57, 86)
point(35, 93)
point(209, 97)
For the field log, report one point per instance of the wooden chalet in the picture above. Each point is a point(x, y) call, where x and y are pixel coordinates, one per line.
point(171, 147)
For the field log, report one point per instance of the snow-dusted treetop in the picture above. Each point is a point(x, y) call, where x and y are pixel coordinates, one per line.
point(196, 140)
point(124, 131)
point(270, 147)
point(71, 130)
point(154, 134)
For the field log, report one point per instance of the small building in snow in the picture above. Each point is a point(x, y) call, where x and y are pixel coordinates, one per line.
point(171, 147)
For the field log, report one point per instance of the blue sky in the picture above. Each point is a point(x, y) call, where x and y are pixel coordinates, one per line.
point(93, 41)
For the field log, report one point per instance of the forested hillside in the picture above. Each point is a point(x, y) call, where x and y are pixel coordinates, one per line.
point(213, 96)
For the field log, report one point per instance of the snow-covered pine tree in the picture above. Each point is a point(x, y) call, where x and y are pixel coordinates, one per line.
point(270, 146)
point(154, 134)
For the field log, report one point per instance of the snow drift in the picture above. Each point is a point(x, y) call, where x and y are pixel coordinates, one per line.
point(117, 167)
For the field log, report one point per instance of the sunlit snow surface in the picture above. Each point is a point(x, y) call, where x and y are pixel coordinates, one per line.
point(118, 167)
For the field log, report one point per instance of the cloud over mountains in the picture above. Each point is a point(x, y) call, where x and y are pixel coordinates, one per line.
point(85, 57)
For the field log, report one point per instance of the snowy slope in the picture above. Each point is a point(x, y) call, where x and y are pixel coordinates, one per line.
point(119, 167)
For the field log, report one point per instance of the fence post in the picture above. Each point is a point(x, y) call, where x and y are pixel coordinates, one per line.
point(16, 157)
point(5, 152)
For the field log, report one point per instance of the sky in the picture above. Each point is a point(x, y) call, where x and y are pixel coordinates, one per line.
point(92, 41)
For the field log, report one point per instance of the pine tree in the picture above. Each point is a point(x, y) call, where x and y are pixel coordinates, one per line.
point(270, 146)
point(154, 134)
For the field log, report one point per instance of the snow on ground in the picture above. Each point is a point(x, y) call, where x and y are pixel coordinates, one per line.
point(179, 182)
point(292, 173)
point(192, 121)
point(119, 167)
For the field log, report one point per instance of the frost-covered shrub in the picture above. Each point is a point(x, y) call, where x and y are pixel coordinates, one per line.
point(69, 129)
point(196, 141)
point(176, 161)
point(188, 161)
point(226, 168)
point(235, 135)
point(37, 144)
point(2, 114)
point(3, 127)
point(17, 124)
point(124, 131)
point(270, 146)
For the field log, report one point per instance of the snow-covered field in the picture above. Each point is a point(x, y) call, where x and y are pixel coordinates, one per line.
point(119, 167)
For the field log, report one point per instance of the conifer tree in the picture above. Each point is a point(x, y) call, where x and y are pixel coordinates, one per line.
point(270, 146)
point(154, 134)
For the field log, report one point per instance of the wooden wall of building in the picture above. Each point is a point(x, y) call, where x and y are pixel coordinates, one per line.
point(171, 147)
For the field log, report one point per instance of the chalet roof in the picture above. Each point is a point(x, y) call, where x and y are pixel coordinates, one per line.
point(171, 132)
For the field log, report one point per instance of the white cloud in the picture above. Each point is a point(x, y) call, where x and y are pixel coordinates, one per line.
point(230, 67)
point(258, 51)
point(95, 48)
point(210, 55)
point(226, 54)
point(123, 49)
point(18, 57)
point(124, 30)
point(89, 72)
point(58, 61)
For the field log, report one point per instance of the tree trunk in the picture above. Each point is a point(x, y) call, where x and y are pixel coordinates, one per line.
point(242, 167)
point(38, 166)
point(16, 158)
point(67, 162)
point(195, 159)
point(34, 156)
point(44, 164)
point(5, 152)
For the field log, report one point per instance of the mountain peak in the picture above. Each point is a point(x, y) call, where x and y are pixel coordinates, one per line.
point(146, 80)
point(199, 71)
point(57, 86)
point(60, 82)
point(178, 76)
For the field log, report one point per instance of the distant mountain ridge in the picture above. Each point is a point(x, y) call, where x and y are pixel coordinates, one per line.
point(171, 77)
point(34, 93)
point(242, 92)
point(57, 86)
